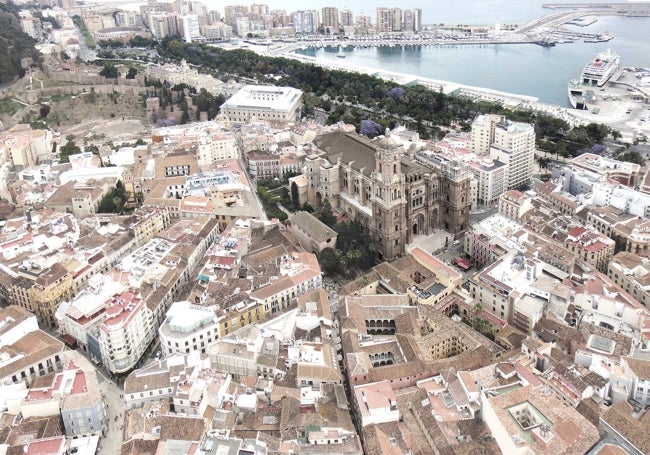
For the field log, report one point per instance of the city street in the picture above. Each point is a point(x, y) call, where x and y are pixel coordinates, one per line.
point(111, 443)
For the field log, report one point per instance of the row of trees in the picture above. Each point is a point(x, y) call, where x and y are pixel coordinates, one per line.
point(354, 97)
point(16, 45)
point(110, 71)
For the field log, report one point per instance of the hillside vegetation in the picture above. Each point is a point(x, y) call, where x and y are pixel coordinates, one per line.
point(14, 45)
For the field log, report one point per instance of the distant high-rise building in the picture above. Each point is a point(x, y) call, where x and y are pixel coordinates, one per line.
point(260, 9)
point(280, 18)
point(125, 18)
point(363, 21)
point(214, 16)
point(512, 143)
point(412, 20)
point(389, 20)
point(30, 25)
point(190, 24)
point(234, 11)
point(305, 22)
point(67, 4)
point(163, 24)
point(347, 18)
point(199, 8)
point(330, 16)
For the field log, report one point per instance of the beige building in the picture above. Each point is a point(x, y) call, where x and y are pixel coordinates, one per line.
point(263, 165)
point(514, 204)
point(80, 199)
point(27, 352)
point(631, 233)
point(313, 234)
point(632, 274)
point(483, 133)
point(590, 246)
point(26, 147)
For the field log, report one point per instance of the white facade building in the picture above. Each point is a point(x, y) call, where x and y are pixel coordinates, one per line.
point(191, 31)
point(126, 332)
point(491, 177)
point(375, 403)
point(274, 104)
point(216, 147)
point(188, 328)
point(514, 145)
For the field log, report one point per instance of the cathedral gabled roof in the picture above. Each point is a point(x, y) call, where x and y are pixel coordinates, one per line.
point(349, 148)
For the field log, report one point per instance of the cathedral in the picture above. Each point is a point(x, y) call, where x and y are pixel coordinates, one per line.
point(378, 183)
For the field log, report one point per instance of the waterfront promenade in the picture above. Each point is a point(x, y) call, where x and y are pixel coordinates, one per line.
point(612, 113)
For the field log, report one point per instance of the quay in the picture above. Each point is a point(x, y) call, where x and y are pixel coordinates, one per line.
point(626, 8)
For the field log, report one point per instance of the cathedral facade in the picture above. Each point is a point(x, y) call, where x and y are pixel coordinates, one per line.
point(386, 189)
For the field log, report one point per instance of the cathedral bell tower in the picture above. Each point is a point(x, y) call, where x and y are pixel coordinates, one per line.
point(388, 224)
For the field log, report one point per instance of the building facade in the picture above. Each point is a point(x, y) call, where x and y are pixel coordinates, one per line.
point(275, 104)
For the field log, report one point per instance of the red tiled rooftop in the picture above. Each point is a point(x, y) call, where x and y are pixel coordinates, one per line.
point(528, 375)
point(121, 308)
point(79, 383)
point(50, 446)
point(45, 394)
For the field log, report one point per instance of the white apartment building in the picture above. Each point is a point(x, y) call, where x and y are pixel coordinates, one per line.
point(188, 328)
point(388, 20)
point(216, 147)
point(81, 317)
point(275, 104)
point(126, 332)
point(638, 371)
point(490, 176)
point(514, 145)
point(191, 31)
point(375, 403)
point(305, 22)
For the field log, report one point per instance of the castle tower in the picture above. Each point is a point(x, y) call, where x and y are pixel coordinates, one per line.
point(389, 224)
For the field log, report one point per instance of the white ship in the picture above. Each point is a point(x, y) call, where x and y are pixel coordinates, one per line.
point(599, 70)
point(595, 74)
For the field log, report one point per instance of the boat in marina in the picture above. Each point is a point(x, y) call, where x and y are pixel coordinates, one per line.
point(600, 38)
point(595, 74)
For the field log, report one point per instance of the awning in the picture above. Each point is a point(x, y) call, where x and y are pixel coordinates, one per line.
point(69, 341)
point(463, 263)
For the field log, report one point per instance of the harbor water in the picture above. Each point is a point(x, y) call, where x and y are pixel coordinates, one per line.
point(523, 69)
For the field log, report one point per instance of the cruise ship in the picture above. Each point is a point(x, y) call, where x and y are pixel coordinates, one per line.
point(595, 74)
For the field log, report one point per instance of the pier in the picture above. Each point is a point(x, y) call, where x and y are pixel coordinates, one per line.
point(630, 9)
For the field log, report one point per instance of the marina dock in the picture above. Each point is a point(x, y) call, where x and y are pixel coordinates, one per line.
point(547, 30)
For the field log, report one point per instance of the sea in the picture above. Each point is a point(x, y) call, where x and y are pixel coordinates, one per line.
point(523, 69)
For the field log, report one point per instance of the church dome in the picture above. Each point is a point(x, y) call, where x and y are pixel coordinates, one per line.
point(386, 142)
